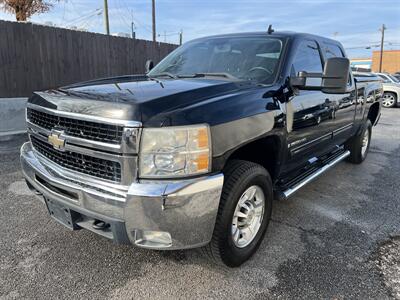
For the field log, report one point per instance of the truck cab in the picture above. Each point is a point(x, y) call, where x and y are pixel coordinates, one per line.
point(193, 153)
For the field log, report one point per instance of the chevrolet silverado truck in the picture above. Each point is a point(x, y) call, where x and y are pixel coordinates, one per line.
point(192, 153)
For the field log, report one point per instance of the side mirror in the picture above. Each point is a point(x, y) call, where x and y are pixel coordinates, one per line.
point(336, 75)
point(333, 81)
point(148, 66)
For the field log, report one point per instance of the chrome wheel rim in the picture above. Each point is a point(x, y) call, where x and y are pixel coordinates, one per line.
point(388, 100)
point(365, 142)
point(248, 216)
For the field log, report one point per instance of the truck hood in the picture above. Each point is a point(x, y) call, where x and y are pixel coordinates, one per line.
point(135, 98)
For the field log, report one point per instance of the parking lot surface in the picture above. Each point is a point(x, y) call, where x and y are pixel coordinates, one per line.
point(334, 239)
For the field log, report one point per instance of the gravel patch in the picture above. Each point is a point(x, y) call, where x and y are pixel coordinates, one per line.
point(388, 262)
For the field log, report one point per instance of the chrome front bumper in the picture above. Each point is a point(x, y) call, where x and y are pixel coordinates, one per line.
point(151, 214)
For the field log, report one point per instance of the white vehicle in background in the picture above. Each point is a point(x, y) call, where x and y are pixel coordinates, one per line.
point(391, 89)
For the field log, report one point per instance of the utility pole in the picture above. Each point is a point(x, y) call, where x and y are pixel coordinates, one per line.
point(153, 4)
point(133, 30)
point(106, 22)
point(382, 40)
point(133, 27)
point(180, 37)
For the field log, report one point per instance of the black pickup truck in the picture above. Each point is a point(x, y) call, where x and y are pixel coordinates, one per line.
point(193, 153)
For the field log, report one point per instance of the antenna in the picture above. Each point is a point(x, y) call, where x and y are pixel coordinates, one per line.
point(270, 30)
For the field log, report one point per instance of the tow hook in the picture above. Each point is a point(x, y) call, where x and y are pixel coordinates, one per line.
point(100, 225)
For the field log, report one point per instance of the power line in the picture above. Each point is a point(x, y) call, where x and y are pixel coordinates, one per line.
point(63, 17)
point(137, 23)
point(121, 16)
point(87, 20)
point(83, 17)
point(338, 35)
point(122, 13)
point(374, 45)
point(86, 24)
point(132, 23)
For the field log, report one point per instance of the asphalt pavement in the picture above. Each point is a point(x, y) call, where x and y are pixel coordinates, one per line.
point(334, 239)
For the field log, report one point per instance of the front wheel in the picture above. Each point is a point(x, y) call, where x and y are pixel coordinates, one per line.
point(243, 215)
point(359, 145)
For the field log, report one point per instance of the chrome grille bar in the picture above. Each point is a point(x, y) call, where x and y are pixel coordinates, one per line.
point(97, 167)
point(86, 130)
point(105, 133)
point(86, 154)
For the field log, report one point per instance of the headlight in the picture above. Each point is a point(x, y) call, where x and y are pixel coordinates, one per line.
point(174, 151)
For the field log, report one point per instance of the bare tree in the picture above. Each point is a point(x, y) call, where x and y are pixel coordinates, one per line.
point(23, 9)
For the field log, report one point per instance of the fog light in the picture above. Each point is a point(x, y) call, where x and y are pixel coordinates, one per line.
point(152, 239)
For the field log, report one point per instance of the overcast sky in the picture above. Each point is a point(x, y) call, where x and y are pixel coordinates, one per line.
point(355, 23)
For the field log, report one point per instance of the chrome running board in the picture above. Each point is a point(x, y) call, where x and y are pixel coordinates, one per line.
point(290, 191)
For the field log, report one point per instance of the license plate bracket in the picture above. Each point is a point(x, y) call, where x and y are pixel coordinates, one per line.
point(62, 214)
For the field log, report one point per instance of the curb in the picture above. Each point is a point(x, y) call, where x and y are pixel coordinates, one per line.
point(12, 116)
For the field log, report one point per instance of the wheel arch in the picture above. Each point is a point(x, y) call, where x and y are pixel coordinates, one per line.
point(393, 91)
point(374, 113)
point(265, 151)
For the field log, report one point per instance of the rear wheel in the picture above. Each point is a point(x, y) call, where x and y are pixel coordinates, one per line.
point(359, 145)
point(389, 99)
point(243, 215)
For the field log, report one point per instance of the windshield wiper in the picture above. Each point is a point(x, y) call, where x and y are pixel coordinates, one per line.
point(226, 75)
point(170, 75)
point(195, 75)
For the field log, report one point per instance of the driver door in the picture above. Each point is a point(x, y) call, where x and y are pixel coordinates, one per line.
point(313, 112)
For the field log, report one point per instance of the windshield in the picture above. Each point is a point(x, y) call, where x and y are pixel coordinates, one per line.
point(393, 78)
point(249, 58)
point(385, 79)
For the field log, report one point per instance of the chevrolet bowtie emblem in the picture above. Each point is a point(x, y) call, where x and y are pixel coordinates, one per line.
point(55, 140)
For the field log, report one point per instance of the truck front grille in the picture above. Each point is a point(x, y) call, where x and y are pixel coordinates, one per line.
point(97, 167)
point(83, 129)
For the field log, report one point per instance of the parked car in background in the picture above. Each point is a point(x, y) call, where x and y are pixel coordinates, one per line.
point(391, 89)
point(388, 77)
point(193, 153)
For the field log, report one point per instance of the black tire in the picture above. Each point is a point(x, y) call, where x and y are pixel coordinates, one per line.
point(389, 96)
point(239, 176)
point(355, 145)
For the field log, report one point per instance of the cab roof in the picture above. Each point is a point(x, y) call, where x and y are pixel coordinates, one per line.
point(279, 34)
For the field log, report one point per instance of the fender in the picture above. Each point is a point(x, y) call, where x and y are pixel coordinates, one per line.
point(393, 89)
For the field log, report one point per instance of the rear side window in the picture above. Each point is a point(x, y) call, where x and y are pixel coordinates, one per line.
point(332, 50)
point(307, 58)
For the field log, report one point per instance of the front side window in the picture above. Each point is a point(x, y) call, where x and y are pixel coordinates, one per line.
point(249, 58)
point(307, 58)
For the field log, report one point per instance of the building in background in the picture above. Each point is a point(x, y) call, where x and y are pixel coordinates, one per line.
point(361, 63)
point(390, 61)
